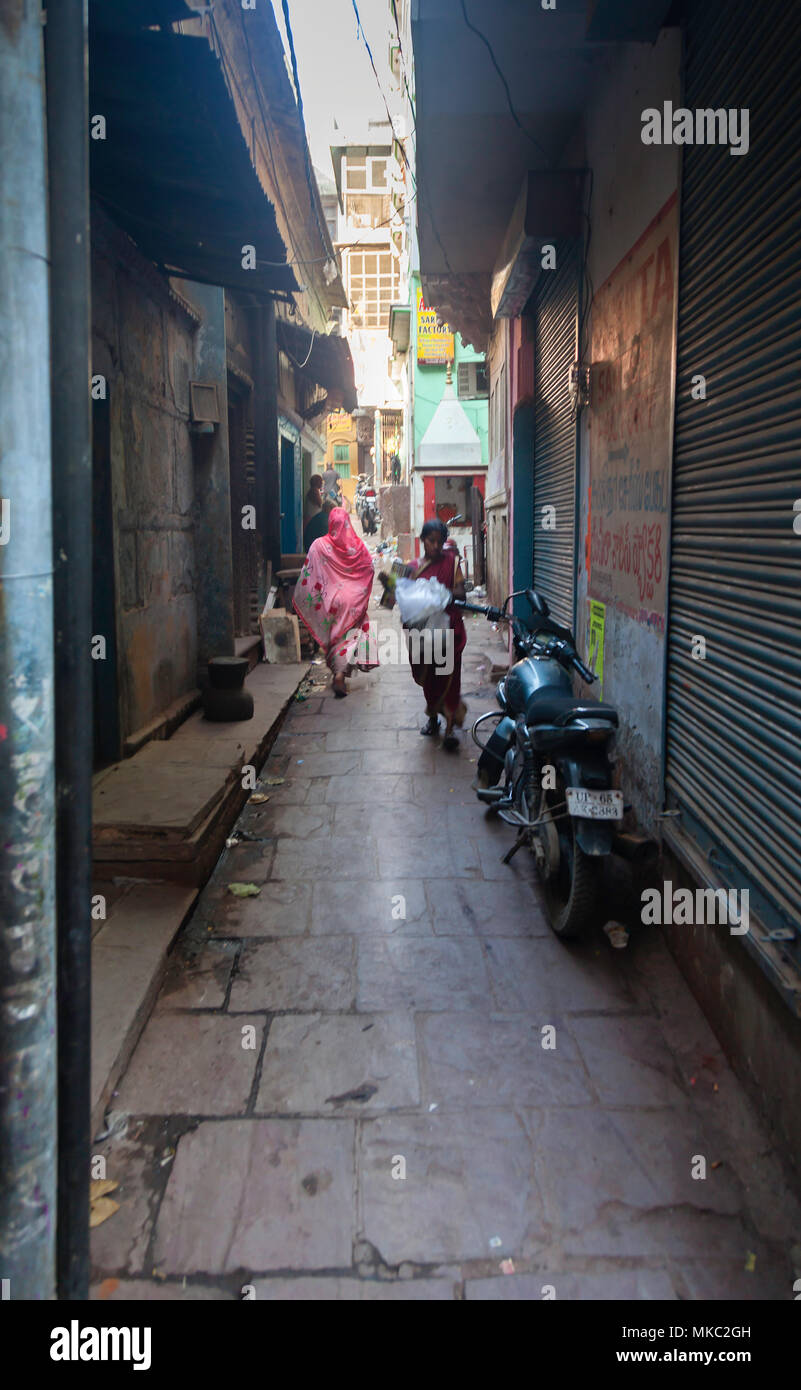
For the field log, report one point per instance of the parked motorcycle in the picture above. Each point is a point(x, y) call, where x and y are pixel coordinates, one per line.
point(369, 512)
point(545, 768)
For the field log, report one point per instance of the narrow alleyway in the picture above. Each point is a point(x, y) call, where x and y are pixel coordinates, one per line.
point(343, 1092)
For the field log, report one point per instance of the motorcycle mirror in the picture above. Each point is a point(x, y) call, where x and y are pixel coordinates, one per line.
point(538, 603)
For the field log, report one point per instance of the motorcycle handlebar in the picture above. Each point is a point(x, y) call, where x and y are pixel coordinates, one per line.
point(493, 615)
point(584, 671)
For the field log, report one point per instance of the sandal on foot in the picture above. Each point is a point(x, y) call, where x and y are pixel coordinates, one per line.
point(430, 727)
point(450, 742)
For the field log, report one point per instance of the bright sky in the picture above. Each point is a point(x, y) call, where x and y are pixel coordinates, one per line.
point(336, 79)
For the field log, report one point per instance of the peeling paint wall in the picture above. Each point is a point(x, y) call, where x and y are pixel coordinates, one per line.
point(142, 343)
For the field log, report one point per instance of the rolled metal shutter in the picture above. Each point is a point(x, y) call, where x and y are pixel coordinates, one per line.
point(733, 747)
point(555, 329)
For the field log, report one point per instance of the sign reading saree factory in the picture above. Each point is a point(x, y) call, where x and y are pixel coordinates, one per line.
point(434, 340)
point(630, 426)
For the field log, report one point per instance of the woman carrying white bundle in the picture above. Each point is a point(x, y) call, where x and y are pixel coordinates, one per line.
point(441, 683)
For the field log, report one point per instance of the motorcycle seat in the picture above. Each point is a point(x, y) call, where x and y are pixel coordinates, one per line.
point(549, 707)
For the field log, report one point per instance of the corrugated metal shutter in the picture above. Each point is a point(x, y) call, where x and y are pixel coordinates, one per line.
point(555, 321)
point(734, 719)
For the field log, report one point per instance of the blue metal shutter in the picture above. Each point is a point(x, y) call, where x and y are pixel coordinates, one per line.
point(555, 435)
point(733, 745)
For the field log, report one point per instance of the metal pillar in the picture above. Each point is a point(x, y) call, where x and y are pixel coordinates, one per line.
point(27, 793)
point(68, 174)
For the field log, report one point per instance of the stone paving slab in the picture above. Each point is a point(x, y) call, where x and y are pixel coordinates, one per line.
point(291, 792)
point(395, 760)
point(469, 1182)
point(191, 1064)
point(243, 863)
point(351, 857)
point(385, 907)
point(308, 823)
point(737, 1280)
point(428, 857)
point(609, 1177)
point(334, 1290)
point(476, 909)
point(352, 738)
point(300, 744)
point(199, 982)
point(396, 821)
point(312, 1058)
point(156, 1290)
point(477, 1059)
point(552, 977)
point(369, 789)
point(133, 1159)
point(259, 1195)
point(297, 974)
point(618, 1285)
point(628, 1061)
point(329, 765)
point(411, 973)
point(281, 909)
point(129, 955)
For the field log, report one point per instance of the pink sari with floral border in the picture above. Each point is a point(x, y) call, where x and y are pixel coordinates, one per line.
point(333, 592)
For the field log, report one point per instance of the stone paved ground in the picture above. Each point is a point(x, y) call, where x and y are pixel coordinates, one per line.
point(390, 953)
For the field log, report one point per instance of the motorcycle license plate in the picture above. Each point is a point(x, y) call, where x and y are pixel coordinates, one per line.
point(595, 805)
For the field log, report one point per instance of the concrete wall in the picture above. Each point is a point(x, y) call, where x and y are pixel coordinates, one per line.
point(142, 342)
point(394, 505)
point(631, 183)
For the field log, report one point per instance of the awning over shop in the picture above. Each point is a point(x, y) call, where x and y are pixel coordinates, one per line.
point(326, 360)
point(173, 169)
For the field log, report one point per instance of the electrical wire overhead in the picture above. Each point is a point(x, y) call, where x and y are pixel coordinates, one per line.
point(360, 33)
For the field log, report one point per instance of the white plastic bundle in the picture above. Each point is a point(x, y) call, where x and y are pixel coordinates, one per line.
point(420, 599)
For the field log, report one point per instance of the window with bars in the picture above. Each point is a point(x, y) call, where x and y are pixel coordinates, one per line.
point(471, 381)
point(373, 286)
point(341, 453)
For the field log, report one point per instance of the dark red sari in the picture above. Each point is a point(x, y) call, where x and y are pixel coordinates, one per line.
point(443, 693)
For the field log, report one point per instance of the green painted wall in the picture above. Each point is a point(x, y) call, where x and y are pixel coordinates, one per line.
point(429, 384)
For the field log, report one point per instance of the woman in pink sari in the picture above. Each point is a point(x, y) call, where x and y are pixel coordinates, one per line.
point(331, 598)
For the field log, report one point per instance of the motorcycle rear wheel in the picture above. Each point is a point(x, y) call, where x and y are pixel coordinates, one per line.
point(571, 894)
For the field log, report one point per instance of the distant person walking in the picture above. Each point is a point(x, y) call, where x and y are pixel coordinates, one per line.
point(332, 595)
point(330, 482)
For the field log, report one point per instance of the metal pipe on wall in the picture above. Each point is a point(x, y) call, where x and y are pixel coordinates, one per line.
point(68, 170)
point(27, 790)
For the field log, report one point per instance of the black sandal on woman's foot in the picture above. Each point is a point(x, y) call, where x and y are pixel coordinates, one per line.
point(339, 690)
point(430, 727)
point(450, 742)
